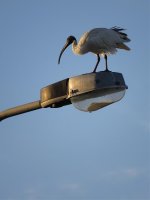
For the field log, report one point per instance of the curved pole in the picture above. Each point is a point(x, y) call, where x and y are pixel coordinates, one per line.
point(20, 109)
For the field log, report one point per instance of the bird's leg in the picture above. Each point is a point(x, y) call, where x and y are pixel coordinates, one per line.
point(98, 60)
point(106, 62)
point(107, 70)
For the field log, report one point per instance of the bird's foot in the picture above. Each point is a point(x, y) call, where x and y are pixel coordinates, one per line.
point(107, 70)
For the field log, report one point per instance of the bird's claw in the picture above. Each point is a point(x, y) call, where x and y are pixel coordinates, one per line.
point(107, 70)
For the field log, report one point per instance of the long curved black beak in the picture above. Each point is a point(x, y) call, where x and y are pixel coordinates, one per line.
point(62, 51)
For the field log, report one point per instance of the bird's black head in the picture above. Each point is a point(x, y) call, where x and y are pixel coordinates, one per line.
point(69, 41)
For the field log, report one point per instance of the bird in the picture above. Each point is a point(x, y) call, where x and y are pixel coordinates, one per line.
point(100, 41)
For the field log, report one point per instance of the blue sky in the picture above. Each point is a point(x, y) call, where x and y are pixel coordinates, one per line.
point(64, 154)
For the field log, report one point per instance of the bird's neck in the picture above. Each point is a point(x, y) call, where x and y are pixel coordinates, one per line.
point(75, 47)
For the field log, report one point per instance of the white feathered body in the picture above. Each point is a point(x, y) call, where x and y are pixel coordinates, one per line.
point(101, 41)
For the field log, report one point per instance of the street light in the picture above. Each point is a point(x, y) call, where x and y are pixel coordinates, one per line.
point(96, 90)
point(87, 92)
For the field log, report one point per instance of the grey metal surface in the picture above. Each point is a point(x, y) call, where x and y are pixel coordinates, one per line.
point(55, 95)
point(94, 81)
point(20, 109)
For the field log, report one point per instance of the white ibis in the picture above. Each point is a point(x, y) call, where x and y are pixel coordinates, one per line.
point(100, 41)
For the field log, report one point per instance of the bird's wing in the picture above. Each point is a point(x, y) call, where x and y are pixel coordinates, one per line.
point(103, 39)
point(122, 35)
